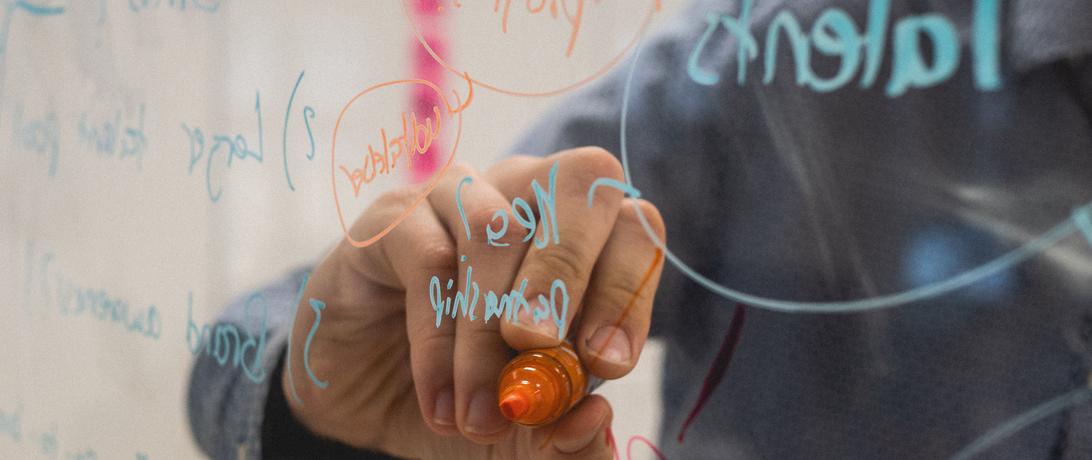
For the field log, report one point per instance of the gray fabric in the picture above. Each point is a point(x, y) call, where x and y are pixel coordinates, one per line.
point(779, 191)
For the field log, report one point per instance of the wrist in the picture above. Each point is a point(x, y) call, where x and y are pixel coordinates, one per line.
point(286, 436)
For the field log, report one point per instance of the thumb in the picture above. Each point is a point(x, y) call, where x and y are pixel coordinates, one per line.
point(582, 433)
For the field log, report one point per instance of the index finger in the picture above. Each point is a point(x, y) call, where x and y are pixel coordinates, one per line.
point(568, 237)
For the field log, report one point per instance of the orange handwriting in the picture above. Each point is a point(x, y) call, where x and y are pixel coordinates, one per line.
point(574, 17)
point(415, 140)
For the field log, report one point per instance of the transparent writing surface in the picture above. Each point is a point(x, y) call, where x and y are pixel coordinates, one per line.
point(871, 208)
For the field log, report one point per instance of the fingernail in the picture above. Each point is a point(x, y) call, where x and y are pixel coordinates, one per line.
point(545, 326)
point(578, 443)
point(444, 411)
point(484, 418)
point(610, 344)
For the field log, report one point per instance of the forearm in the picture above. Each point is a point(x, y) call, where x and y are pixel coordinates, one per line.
point(234, 366)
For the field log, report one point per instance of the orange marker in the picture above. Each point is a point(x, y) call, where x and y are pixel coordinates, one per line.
point(539, 386)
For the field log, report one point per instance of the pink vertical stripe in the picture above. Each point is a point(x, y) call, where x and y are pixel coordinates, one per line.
point(428, 16)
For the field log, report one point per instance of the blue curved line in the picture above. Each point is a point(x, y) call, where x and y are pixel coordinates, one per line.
point(459, 203)
point(284, 133)
point(317, 306)
point(39, 10)
point(288, 357)
point(1028, 250)
point(309, 112)
point(1083, 217)
point(624, 187)
point(1024, 420)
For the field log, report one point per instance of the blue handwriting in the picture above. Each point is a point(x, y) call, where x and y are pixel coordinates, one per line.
point(41, 135)
point(237, 147)
point(208, 6)
point(10, 8)
point(317, 306)
point(11, 423)
point(521, 212)
point(507, 305)
point(74, 300)
point(223, 342)
point(205, 145)
point(106, 138)
point(308, 115)
point(835, 34)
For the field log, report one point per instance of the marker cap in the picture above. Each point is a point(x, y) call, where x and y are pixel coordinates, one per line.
point(539, 386)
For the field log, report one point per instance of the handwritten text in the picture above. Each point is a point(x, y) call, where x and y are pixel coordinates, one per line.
point(224, 342)
point(835, 35)
point(416, 138)
point(108, 139)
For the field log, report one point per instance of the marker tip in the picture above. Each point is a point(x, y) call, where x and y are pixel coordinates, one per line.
point(514, 405)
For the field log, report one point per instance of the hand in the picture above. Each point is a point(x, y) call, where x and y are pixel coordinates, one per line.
point(402, 385)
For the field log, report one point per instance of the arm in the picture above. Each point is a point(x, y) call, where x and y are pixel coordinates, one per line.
point(226, 407)
point(231, 415)
point(227, 410)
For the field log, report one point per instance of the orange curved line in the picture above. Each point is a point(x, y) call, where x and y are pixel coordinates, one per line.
point(656, 6)
point(417, 201)
point(659, 257)
point(629, 305)
point(470, 96)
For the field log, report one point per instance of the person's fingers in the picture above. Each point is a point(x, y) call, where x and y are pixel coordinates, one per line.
point(475, 212)
point(567, 241)
point(617, 308)
point(580, 434)
point(510, 175)
point(420, 257)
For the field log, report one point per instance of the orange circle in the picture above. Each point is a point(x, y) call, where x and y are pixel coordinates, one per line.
point(655, 6)
point(416, 201)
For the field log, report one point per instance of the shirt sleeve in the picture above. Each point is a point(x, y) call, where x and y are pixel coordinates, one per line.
point(240, 411)
point(227, 397)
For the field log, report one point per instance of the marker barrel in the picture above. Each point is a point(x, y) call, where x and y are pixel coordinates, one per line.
point(539, 386)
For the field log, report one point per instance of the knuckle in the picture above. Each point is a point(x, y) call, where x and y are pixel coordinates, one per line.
point(436, 256)
point(384, 209)
point(564, 262)
point(598, 162)
point(514, 162)
point(459, 170)
point(397, 198)
point(479, 341)
point(429, 342)
point(613, 294)
point(422, 336)
point(454, 175)
point(483, 217)
point(427, 346)
point(507, 173)
point(513, 237)
point(486, 217)
point(630, 217)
